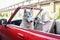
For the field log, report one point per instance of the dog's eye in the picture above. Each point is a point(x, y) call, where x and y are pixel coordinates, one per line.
point(28, 16)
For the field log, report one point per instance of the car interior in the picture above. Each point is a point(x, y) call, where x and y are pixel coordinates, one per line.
point(16, 22)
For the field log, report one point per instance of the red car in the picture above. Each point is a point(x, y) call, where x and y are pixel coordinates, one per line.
point(13, 32)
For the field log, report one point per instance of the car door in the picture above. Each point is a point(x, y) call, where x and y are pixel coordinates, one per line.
point(10, 33)
point(3, 33)
point(13, 33)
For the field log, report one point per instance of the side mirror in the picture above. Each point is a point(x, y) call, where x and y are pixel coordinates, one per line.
point(3, 21)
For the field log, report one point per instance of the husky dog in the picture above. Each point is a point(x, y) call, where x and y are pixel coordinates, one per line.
point(40, 21)
point(27, 21)
point(37, 24)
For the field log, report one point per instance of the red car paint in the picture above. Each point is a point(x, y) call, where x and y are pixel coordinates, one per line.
point(12, 32)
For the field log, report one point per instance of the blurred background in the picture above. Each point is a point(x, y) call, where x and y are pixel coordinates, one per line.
point(7, 7)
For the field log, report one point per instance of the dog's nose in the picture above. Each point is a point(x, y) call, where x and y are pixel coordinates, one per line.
point(31, 21)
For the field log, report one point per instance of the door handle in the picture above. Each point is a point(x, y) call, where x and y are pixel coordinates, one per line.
point(20, 36)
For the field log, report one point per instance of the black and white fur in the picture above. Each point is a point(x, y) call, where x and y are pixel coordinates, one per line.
point(27, 21)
